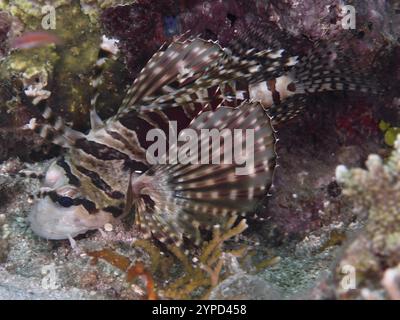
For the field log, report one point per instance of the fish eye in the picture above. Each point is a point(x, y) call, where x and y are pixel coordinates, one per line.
point(65, 201)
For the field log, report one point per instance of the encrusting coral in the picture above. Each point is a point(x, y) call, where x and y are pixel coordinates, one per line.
point(59, 74)
point(65, 71)
point(375, 193)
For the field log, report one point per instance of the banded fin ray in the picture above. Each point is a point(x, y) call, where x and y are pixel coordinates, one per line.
point(228, 69)
point(325, 68)
point(54, 128)
point(328, 68)
point(263, 43)
point(177, 200)
point(168, 70)
point(183, 73)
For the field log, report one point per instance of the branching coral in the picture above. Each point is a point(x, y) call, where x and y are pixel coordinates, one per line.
point(375, 192)
point(196, 278)
point(208, 270)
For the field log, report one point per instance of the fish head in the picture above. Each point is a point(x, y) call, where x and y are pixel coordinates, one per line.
point(61, 211)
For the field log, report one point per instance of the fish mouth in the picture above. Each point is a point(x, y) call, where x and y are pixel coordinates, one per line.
point(53, 222)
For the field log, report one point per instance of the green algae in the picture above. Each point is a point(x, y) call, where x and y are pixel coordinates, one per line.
point(390, 132)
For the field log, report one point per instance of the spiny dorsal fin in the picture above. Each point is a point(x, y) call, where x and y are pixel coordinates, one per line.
point(183, 73)
point(168, 70)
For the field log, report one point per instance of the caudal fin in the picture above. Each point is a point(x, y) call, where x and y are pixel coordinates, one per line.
point(327, 68)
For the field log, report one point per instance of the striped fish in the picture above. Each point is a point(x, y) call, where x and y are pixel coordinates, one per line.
point(105, 174)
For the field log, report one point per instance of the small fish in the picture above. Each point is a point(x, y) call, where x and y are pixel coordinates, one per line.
point(34, 39)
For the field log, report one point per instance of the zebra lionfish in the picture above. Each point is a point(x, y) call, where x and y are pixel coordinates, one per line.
point(104, 174)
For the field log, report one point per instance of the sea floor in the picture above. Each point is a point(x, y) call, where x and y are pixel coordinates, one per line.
point(306, 229)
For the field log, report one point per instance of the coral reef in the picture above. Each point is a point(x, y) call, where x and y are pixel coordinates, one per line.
point(64, 71)
point(374, 192)
point(311, 220)
point(61, 74)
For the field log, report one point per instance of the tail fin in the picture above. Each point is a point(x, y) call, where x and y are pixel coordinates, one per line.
point(177, 200)
point(327, 68)
point(262, 44)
